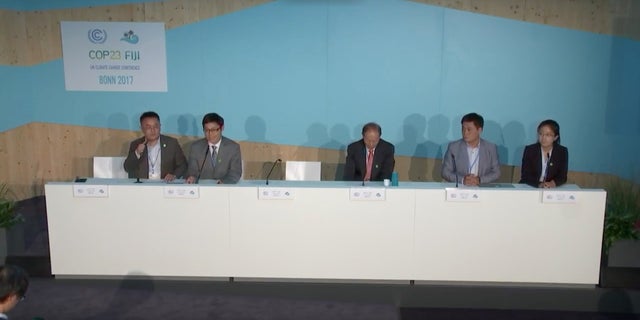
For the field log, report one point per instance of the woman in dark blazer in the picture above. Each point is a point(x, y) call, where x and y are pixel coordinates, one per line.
point(545, 163)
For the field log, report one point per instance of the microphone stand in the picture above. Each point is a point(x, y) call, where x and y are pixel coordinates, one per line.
point(206, 154)
point(140, 161)
point(272, 167)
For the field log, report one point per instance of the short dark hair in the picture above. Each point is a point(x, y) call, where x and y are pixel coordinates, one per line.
point(13, 280)
point(554, 126)
point(372, 126)
point(149, 114)
point(477, 119)
point(212, 117)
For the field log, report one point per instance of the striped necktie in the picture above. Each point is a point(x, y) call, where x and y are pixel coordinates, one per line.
point(214, 155)
point(367, 176)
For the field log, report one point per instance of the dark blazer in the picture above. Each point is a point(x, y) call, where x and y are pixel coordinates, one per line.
point(172, 159)
point(532, 165)
point(228, 168)
point(383, 161)
point(488, 162)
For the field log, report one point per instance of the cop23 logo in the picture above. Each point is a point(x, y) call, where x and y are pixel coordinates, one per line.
point(97, 36)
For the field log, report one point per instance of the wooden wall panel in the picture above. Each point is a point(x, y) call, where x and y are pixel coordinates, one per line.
point(614, 17)
point(41, 152)
point(43, 35)
point(511, 9)
point(41, 39)
point(36, 153)
point(12, 37)
point(625, 18)
point(593, 16)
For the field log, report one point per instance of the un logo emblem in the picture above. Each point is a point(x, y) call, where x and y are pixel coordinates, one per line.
point(97, 36)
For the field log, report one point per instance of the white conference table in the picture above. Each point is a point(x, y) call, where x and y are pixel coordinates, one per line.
point(326, 230)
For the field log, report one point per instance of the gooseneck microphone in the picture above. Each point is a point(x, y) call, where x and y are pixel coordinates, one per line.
point(455, 169)
point(272, 167)
point(206, 154)
point(140, 161)
point(138, 176)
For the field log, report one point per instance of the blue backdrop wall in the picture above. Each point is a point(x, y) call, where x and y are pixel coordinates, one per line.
point(312, 72)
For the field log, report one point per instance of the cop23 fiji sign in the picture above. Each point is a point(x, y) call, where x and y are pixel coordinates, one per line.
point(114, 56)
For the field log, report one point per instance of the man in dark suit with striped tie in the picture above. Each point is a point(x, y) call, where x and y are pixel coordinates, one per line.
point(370, 158)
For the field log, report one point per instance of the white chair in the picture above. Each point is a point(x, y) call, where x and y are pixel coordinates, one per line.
point(109, 167)
point(302, 170)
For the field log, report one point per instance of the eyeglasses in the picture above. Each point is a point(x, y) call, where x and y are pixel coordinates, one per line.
point(212, 130)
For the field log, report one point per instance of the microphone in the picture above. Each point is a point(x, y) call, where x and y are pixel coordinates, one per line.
point(455, 169)
point(206, 154)
point(272, 167)
point(140, 161)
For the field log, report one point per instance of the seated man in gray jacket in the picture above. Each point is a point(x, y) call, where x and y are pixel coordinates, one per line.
point(471, 160)
point(214, 157)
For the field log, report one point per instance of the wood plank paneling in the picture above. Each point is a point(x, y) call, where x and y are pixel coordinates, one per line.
point(36, 38)
point(593, 16)
point(36, 153)
point(43, 35)
point(31, 37)
point(615, 17)
point(511, 9)
point(13, 33)
point(54, 152)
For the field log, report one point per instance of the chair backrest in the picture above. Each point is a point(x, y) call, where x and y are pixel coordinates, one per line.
point(303, 170)
point(109, 167)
